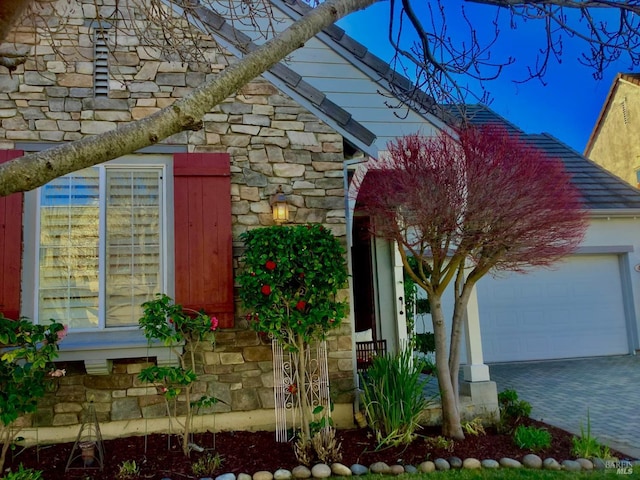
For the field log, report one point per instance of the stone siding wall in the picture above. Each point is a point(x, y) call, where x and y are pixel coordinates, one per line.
point(272, 141)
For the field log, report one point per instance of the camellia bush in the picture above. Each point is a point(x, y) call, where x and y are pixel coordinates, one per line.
point(289, 285)
point(26, 353)
point(183, 331)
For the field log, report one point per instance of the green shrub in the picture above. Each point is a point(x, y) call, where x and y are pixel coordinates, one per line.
point(23, 474)
point(290, 281)
point(532, 438)
point(26, 353)
point(290, 286)
point(393, 396)
point(587, 446)
point(512, 409)
point(425, 342)
point(207, 465)
point(183, 330)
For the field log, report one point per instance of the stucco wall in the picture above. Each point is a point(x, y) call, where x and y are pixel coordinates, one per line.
point(616, 146)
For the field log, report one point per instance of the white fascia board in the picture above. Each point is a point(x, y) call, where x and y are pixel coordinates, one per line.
point(368, 71)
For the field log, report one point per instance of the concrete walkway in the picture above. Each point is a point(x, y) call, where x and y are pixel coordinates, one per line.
point(563, 392)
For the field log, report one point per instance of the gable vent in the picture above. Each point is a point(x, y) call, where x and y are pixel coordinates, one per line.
point(625, 114)
point(101, 63)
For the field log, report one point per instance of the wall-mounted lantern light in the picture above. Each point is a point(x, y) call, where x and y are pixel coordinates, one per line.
point(279, 206)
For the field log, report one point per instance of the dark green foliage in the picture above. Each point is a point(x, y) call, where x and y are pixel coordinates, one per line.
point(168, 322)
point(511, 407)
point(425, 342)
point(512, 410)
point(27, 352)
point(290, 279)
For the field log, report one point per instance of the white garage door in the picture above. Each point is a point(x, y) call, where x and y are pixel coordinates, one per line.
point(575, 310)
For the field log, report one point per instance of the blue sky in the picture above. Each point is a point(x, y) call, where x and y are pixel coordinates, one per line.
point(567, 107)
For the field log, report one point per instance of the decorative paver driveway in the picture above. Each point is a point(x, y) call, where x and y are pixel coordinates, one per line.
point(563, 392)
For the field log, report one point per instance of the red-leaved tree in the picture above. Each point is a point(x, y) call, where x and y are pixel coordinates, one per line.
point(463, 207)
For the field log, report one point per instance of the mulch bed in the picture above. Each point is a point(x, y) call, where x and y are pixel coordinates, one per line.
point(159, 456)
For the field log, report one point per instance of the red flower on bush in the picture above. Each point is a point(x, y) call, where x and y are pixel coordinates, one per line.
point(266, 290)
point(300, 306)
point(293, 388)
point(214, 323)
point(270, 265)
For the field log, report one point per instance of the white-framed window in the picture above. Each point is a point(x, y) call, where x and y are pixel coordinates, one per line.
point(100, 243)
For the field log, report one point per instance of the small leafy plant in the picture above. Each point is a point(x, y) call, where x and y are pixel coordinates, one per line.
point(26, 353)
point(183, 330)
point(128, 470)
point(440, 443)
point(393, 396)
point(206, 465)
point(532, 438)
point(512, 410)
point(23, 474)
point(474, 427)
point(587, 446)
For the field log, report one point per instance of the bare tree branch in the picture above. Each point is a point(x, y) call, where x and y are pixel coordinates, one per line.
point(606, 38)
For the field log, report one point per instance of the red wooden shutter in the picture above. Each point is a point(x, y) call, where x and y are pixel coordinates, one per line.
point(10, 246)
point(203, 244)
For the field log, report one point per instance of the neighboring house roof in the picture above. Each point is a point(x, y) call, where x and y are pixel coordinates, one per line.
point(628, 77)
point(600, 189)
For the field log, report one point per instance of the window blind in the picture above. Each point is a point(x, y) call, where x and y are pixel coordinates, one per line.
point(133, 245)
point(71, 287)
point(69, 244)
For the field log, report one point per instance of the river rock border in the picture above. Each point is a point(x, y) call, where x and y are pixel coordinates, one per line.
point(531, 461)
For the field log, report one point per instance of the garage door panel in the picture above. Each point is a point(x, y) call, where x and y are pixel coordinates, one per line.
point(574, 310)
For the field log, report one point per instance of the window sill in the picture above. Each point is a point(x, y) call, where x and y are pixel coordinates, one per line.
point(98, 349)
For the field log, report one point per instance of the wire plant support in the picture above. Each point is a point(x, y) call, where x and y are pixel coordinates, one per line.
point(88, 450)
point(286, 388)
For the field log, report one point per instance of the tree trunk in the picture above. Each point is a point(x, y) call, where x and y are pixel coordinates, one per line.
point(450, 414)
point(36, 169)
